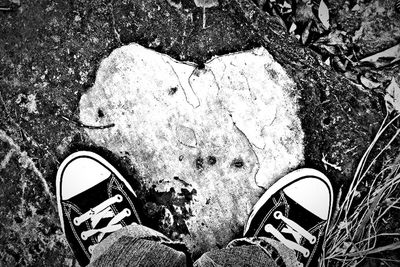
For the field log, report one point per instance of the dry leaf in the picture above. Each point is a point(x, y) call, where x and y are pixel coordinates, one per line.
point(327, 49)
point(323, 14)
point(384, 58)
point(335, 37)
point(293, 27)
point(392, 97)
point(356, 8)
point(306, 33)
point(353, 77)
point(176, 5)
point(303, 12)
point(336, 62)
point(358, 33)
point(286, 5)
point(328, 61)
point(368, 83)
point(261, 3)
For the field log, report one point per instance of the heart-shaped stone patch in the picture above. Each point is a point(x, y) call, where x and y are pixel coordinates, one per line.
point(207, 141)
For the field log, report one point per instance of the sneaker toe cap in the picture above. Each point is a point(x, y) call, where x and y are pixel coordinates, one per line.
point(80, 173)
point(314, 194)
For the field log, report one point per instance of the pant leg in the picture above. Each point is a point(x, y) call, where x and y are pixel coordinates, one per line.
point(137, 245)
point(243, 256)
point(257, 252)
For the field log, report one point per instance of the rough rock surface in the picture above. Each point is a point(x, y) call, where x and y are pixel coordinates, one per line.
point(216, 135)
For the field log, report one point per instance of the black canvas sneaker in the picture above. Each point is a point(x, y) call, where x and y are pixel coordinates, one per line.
point(295, 211)
point(93, 200)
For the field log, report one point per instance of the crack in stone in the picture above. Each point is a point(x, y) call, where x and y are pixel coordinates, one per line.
point(253, 97)
point(260, 148)
point(251, 148)
point(196, 99)
point(250, 144)
point(186, 145)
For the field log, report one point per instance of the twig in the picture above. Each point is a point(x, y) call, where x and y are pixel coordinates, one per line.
point(117, 35)
point(11, 6)
point(326, 163)
point(204, 17)
point(93, 127)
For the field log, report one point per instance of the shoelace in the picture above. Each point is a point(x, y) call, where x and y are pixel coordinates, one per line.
point(298, 230)
point(103, 210)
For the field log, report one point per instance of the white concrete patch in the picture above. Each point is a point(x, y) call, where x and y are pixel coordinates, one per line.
point(28, 102)
point(24, 160)
point(226, 130)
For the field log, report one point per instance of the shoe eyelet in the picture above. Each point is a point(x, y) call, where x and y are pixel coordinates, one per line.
point(119, 198)
point(277, 215)
point(267, 228)
point(313, 240)
point(127, 212)
point(76, 222)
point(91, 249)
point(306, 253)
point(83, 236)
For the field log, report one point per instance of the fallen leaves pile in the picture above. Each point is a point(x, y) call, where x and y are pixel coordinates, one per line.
point(312, 23)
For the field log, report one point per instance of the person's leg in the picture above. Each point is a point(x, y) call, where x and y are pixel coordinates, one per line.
point(286, 227)
point(137, 245)
point(243, 253)
point(98, 213)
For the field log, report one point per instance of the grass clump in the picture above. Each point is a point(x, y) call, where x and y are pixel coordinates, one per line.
point(357, 227)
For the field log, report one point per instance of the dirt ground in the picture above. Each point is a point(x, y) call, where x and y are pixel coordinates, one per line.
point(50, 52)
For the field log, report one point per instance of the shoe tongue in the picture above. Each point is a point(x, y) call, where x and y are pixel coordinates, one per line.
point(103, 222)
point(312, 194)
point(301, 216)
point(81, 175)
point(91, 197)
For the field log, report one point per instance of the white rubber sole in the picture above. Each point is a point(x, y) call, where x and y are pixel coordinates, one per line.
point(71, 158)
point(282, 182)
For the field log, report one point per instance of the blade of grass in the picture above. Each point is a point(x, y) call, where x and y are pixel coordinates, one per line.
point(393, 246)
